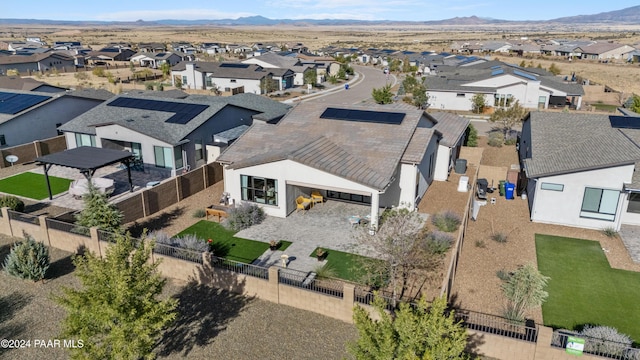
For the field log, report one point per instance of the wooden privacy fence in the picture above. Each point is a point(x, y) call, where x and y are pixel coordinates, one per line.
point(29, 152)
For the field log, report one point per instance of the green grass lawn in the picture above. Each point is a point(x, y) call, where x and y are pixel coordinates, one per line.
point(584, 289)
point(226, 245)
point(344, 265)
point(33, 186)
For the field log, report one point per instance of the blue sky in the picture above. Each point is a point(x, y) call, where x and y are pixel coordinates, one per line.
point(413, 10)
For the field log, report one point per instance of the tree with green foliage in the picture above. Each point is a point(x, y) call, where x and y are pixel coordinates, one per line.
point(472, 136)
point(268, 85)
point(394, 65)
point(406, 65)
point(478, 103)
point(382, 95)
point(342, 73)
point(554, 69)
point(509, 116)
point(177, 81)
point(311, 76)
point(424, 332)
point(99, 212)
point(116, 311)
point(524, 290)
point(28, 259)
point(522, 63)
point(635, 104)
point(409, 83)
point(166, 69)
point(420, 98)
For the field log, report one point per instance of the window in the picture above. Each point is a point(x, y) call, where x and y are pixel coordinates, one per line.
point(460, 95)
point(259, 190)
point(233, 80)
point(3, 140)
point(85, 140)
point(600, 204)
point(199, 151)
point(208, 82)
point(163, 156)
point(551, 186)
point(177, 156)
point(184, 80)
point(634, 203)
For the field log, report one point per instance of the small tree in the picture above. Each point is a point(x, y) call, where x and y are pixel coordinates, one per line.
point(268, 85)
point(423, 332)
point(117, 311)
point(311, 77)
point(166, 69)
point(555, 70)
point(524, 290)
point(382, 95)
point(472, 136)
point(409, 83)
point(478, 103)
point(99, 212)
point(28, 259)
point(12, 203)
point(420, 98)
point(178, 82)
point(635, 104)
point(508, 117)
point(406, 65)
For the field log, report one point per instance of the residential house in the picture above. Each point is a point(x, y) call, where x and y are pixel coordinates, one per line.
point(26, 116)
point(453, 129)
point(66, 45)
point(605, 51)
point(156, 59)
point(228, 77)
point(111, 54)
point(183, 47)
point(383, 156)
point(28, 84)
point(273, 61)
point(25, 64)
point(153, 47)
point(212, 48)
point(452, 88)
point(582, 169)
point(238, 49)
point(164, 131)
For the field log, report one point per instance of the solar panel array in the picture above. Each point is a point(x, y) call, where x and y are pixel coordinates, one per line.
point(234, 65)
point(625, 122)
point(12, 103)
point(524, 75)
point(363, 116)
point(183, 113)
point(497, 72)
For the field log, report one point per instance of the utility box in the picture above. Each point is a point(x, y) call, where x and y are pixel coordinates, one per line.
point(461, 166)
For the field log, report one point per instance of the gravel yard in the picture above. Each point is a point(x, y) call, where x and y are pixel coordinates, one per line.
point(212, 324)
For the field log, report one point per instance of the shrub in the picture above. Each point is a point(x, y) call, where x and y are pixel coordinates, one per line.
point(244, 216)
point(481, 244)
point(324, 272)
point(160, 237)
point(496, 139)
point(446, 221)
point(605, 340)
point(503, 275)
point(511, 141)
point(81, 76)
point(472, 136)
point(191, 242)
point(28, 260)
point(439, 242)
point(199, 213)
point(12, 203)
point(610, 231)
point(148, 86)
point(99, 72)
point(524, 290)
point(499, 237)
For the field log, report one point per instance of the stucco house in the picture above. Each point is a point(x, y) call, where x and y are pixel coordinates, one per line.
point(26, 116)
point(167, 132)
point(582, 169)
point(273, 60)
point(156, 59)
point(453, 129)
point(36, 62)
point(604, 51)
point(377, 155)
point(452, 88)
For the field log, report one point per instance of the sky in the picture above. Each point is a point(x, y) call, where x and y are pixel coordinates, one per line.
point(402, 10)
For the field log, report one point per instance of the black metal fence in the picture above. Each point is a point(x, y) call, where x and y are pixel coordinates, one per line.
point(310, 281)
point(178, 253)
point(366, 297)
point(68, 227)
point(598, 347)
point(25, 218)
point(491, 324)
point(240, 268)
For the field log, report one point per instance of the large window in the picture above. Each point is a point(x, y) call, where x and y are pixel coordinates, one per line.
point(163, 156)
point(177, 156)
point(259, 190)
point(634, 203)
point(600, 204)
point(199, 150)
point(85, 140)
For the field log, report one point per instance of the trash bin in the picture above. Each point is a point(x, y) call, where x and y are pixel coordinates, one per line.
point(461, 166)
point(346, 86)
point(501, 187)
point(510, 189)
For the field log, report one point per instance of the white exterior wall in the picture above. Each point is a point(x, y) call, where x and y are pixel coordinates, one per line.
point(406, 186)
point(563, 207)
point(250, 85)
point(258, 61)
point(117, 132)
point(443, 160)
point(451, 101)
point(70, 138)
point(195, 79)
point(629, 217)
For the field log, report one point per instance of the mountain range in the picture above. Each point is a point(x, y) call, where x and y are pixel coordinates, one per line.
point(629, 15)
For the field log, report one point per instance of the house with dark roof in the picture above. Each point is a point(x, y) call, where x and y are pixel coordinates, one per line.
point(275, 61)
point(36, 62)
point(26, 116)
point(156, 59)
point(581, 169)
point(111, 54)
point(605, 50)
point(28, 84)
point(377, 155)
point(169, 132)
point(453, 88)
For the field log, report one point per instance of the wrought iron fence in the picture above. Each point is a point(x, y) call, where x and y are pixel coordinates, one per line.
point(62, 226)
point(26, 218)
point(310, 281)
point(178, 253)
point(491, 324)
point(598, 347)
point(366, 297)
point(239, 267)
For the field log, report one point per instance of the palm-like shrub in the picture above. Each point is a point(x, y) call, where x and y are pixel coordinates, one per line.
point(28, 260)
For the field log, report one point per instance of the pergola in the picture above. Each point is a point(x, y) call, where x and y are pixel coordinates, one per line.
point(87, 159)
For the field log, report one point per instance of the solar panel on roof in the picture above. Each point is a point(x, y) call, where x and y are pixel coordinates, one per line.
point(496, 67)
point(524, 75)
point(625, 122)
point(497, 72)
point(363, 116)
point(183, 112)
point(234, 65)
point(12, 103)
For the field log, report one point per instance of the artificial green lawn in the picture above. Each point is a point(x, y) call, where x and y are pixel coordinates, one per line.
point(584, 289)
point(345, 265)
point(33, 186)
point(226, 245)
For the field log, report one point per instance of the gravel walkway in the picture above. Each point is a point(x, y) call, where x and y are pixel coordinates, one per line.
point(212, 324)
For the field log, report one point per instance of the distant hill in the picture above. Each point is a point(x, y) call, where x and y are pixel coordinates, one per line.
point(628, 15)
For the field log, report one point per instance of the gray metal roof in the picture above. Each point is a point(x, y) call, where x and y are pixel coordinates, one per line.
point(152, 123)
point(451, 126)
point(220, 70)
point(570, 142)
point(363, 152)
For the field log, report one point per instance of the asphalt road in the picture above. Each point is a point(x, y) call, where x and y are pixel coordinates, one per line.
point(369, 78)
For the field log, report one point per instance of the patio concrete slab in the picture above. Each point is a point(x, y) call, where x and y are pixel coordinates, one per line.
point(630, 235)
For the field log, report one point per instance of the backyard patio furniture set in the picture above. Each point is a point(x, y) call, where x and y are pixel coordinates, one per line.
point(306, 203)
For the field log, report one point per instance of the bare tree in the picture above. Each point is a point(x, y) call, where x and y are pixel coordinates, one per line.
point(508, 117)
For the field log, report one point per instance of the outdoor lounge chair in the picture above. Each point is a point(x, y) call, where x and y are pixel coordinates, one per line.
point(302, 203)
point(316, 197)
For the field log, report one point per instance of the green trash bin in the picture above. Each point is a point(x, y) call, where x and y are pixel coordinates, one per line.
point(501, 187)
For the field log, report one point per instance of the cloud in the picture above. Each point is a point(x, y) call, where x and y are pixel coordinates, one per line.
point(181, 14)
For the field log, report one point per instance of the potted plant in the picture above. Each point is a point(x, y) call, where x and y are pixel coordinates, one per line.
point(321, 254)
point(274, 245)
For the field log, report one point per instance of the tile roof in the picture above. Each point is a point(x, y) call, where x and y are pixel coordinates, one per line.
point(219, 70)
point(568, 142)
point(152, 123)
point(451, 126)
point(363, 152)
